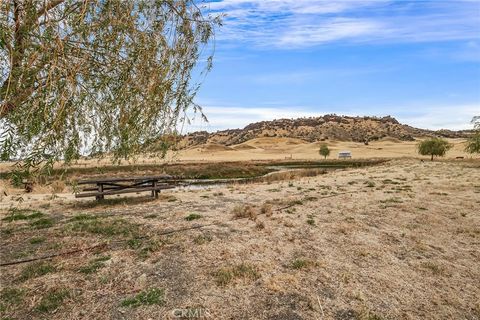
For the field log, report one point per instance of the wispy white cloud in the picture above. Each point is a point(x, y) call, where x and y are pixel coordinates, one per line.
point(453, 117)
point(296, 6)
point(276, 78)
point(303, 76)
point(435, 117)
point(293, 23)
point(220, 118)
point(328, 30)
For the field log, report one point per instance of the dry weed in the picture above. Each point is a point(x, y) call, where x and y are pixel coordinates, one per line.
point(266, 209)
point(58, 186)
point(245, 211)
point(260, 225)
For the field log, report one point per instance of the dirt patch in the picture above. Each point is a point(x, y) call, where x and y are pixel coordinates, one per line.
point(215, 147)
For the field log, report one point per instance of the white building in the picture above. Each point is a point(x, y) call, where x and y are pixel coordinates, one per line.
point(345, 155)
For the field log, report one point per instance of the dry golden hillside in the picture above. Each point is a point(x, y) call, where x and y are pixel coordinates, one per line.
point(326, 128)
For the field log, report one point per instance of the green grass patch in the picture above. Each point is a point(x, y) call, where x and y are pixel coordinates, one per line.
point(10, 297)
point(42, 223)
point(153, 296)
point(37, 240)
point(225, 275)
point(52, 300)
point(35, 270)
point(22, 214)
point(193, 216)
point(134, 243)
point(439, 193)
point(94, 265)
point(83, 217)
point(390, 181)
point(144, 246)
point(392, 200)
point(295, 202)
point(370, 184)
point(105, 227)
point(298, 264)
point(149, 247)
point(202, 239)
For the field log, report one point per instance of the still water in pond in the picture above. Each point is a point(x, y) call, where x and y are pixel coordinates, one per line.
point(281, 172)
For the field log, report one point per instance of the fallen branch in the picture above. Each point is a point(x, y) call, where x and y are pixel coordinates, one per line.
point(329, 196)
point(53, 255)
point(190, 228)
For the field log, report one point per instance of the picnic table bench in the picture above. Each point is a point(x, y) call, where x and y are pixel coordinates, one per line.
point(104, 187)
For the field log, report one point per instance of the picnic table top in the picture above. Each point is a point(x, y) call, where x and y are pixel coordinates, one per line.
point(130, 179)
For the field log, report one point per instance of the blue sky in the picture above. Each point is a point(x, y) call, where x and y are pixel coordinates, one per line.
point(418, 61)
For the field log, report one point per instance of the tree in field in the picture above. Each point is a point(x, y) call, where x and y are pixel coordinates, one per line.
point(473, 143)
point(84, 77)
point(434, 147)
point(324, 151)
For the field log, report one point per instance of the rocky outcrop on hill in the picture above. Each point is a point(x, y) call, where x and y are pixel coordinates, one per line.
point(328, 127)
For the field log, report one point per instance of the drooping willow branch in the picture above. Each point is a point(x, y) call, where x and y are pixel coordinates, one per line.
point(96, 76)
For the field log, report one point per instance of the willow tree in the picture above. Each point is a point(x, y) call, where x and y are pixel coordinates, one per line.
point(473, 143)
point(92, 76)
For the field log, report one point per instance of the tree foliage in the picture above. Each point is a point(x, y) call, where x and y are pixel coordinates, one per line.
point(324, 151)
point(94, 76)
point(434, 147)
point(473, 143)
point(476, 122)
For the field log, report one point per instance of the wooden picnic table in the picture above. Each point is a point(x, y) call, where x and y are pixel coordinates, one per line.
point(112, 186)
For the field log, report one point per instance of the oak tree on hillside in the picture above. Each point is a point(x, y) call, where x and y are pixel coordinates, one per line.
point(97, 76)
point(324, 151)
point(434, 147)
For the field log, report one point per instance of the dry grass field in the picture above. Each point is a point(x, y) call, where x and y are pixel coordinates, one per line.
point(281, 148)
point(399, 240)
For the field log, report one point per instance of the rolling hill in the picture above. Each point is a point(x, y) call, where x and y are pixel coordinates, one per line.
point(314, 129)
